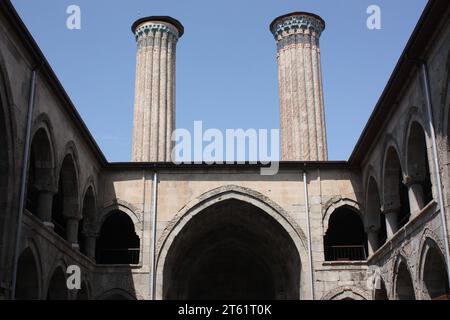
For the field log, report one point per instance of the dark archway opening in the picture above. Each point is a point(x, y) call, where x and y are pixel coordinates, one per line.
point(435, 276)
point(65, 202)
point(39, 170)
point(375, 219)
point(88, 216)
point(118, 242)
point(404, 287)
point(232, 250)
point(380, 291)
point(395, 192)
point(345, 239)
point(27, 285)
point(83, 293)
point(57, 289)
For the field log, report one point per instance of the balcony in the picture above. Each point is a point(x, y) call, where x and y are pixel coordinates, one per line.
point(118, 256)
point(345, 253)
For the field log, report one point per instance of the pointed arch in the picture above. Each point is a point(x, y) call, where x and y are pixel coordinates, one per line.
point(88, 216)
point(29, 277)
point(375, 219)
point(116, 294)
point(347, 293)
point(41, 167)
point(57, 287)
point(403, 283)
point(344, 235)
point(66, 201)
point(395, 193)
point(432, 268)
point(215, 198)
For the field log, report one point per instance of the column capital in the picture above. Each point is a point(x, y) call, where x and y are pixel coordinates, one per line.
point(48, 189)
point(411, 180)
point(163, 24)
point(371, 229)
point(388, 209)
point(91, 234)
point(297, 22)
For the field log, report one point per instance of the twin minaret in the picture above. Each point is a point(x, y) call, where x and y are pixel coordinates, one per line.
point(303, 134)
point(154, 107)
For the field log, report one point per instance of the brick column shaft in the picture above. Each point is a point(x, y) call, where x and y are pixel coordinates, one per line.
point(303, 133)
point(154, 108)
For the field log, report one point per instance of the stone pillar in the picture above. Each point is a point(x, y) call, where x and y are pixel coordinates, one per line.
point(373, 241)
point(72, 231)
point(90, 243)
point(154, 108)
point(303, 132)
point(391, 215)
point(44, 207)
point(415, 194)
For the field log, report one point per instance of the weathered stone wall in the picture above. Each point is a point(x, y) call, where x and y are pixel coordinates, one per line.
point(184, 192)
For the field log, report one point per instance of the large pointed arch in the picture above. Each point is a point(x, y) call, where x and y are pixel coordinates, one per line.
point(213, 199)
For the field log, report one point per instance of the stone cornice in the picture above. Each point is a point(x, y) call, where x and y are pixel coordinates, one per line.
point(296, 22)
point(153, 27)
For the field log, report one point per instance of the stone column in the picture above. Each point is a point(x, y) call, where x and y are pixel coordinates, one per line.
point(415, 194)
point(90, 243)
point(72, 231)
point(303, 133)
point(391, 221)
point(373, 240)
point(154, 108)
point(44, 207)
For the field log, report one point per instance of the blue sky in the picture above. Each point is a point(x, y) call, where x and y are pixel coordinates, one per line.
point(226, 61)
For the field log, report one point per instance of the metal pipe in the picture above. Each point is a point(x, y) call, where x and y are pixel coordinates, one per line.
point(153, 237)
point(308, 226)
point(23, 179)
point(427, 93)
point(144, 192)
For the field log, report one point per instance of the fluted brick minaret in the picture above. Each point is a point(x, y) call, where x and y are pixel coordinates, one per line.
point(303, 133)
point(154, 108)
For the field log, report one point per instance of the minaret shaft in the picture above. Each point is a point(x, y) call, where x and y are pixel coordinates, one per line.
point(303, 133)
point(154, 108)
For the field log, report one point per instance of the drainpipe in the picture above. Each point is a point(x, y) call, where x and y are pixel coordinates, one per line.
point(153, 237)
point(24, 178)
point(427, 93)
point(308, 226)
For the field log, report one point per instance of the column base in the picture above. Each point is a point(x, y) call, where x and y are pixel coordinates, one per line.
point(49, 225)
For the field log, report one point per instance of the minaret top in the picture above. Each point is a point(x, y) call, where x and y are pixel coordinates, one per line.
point(295, 21)
point(157, 23)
